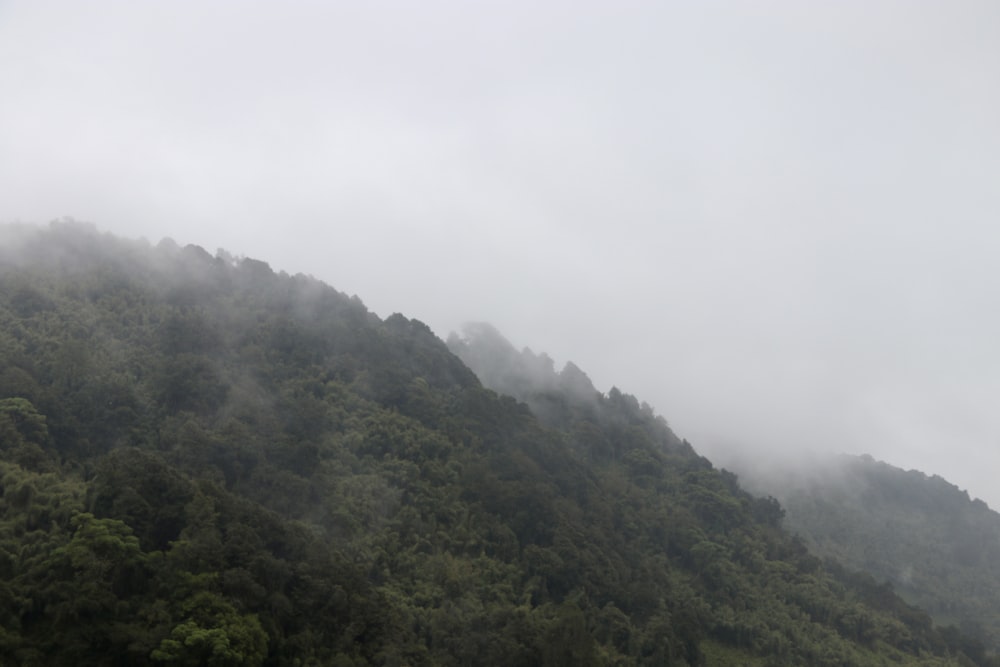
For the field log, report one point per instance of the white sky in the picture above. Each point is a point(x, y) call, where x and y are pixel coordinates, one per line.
point(775, 221)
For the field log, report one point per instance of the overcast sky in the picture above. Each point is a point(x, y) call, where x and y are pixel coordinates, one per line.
point(776, 222)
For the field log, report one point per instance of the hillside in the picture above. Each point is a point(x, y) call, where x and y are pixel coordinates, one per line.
point(939, 548)
point(205, 462)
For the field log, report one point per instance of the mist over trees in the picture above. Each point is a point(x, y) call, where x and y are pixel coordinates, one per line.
point(939, 548)
point(207, 462)
point(554, 396)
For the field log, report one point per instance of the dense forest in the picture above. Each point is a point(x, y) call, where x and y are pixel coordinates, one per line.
point(938, 547)
point(205, 462)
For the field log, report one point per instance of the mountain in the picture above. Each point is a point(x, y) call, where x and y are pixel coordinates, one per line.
point(938, 548)
point(207, 462)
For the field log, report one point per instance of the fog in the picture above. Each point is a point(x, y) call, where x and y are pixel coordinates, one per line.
point(775, 222)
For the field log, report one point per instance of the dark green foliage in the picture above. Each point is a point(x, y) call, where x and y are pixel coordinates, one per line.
point(206, 462)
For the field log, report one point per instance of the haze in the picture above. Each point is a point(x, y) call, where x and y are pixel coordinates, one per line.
point(776, 222)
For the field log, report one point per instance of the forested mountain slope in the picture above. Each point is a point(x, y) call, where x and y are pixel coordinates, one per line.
point(939, 548)
point(555, 396)
point(204, 462)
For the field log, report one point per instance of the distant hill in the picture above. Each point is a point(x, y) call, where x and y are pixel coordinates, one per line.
point(938, 548)
point(207, 462)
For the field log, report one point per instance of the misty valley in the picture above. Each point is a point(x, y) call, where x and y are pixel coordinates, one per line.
point(204, 461)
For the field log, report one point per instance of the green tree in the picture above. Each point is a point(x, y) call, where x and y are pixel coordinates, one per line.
point(213, 633)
